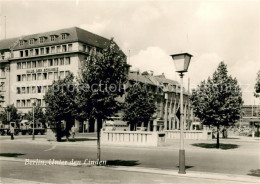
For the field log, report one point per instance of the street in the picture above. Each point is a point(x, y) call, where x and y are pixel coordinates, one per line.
point(234, 161)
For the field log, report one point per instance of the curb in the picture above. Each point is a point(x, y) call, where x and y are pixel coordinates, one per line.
point(189, 174)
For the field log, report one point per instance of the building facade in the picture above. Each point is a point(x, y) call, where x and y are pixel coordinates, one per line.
point(29, 65)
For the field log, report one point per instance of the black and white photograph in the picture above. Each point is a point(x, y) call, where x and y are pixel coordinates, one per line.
point(129, 92)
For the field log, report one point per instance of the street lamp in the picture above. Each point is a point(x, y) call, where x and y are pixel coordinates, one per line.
point(33, 102)
point(181, 62)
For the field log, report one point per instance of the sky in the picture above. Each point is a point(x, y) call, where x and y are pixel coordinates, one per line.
point(150, 31)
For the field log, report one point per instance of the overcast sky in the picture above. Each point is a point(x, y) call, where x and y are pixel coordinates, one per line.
point(212, 31)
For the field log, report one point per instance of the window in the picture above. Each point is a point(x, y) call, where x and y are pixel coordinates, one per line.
point(18, 103)
point(56, 62)
point(39, 89)
point(44, 89)
point(23, 90)
point(84, 48)
point(64, 48)
point(29, 77)
point(41, 39)
point(36, 52)
point(58, 49)
point(24, 65)
point(70, 47)
point(18, 90)
point(39, 63)
point(23, 103)
point(50, 75)
point(55, 75)
point(67, 73)
point(45, 63)
point(52, 37)
point(63, 36)
point(28, 90)
point(67, 61)
point(18, 78)
point(29, 64)
point(50, 62)
point(33, 64)
point(24, 77)
point(21, 53)
point(26, 53)
point(29, 103)
point(52, 49)
point(61, 61)
point(44, 76)
point(31, 41)
point(34, 76)
point(47, 50)
point(31, 52)
point(42, 51)
point(62, 74)
point(21, 42)
point(19, 65)
point(39, 102)
point(39, 76)
point(33, 89)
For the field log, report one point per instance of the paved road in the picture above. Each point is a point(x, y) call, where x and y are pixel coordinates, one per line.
point(236, 161)
point(18, 173)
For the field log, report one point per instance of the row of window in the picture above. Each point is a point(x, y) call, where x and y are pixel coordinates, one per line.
point(42, 76)
point(32, 89)
point(42, 39)
point(43, 63)
point(27, 103)
point(46, 50)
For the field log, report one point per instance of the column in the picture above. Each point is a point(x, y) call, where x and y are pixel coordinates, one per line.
point(95, 126)
point(170, 115)
point(166, 114)
point(174, 115)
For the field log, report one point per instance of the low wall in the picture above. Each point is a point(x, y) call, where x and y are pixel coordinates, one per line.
point(189, 134)
point(50, 135)
point(132, 138)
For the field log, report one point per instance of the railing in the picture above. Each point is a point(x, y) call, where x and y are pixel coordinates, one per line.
point(189, 134)
point(132, 138)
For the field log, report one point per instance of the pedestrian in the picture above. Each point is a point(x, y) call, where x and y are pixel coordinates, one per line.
point(73, 131)
point(12, 132)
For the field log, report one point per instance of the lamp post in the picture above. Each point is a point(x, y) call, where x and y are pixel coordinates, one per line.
point(33, 102)
point(181, 62)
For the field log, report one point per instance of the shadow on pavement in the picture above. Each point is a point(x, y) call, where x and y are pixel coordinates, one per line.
point(11, 154)
point(213, 146)
point(78, 140)
point(187, 166)
point(122, 162)
point(254, 172)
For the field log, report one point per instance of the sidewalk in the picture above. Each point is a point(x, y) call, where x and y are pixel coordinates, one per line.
point(109, 174)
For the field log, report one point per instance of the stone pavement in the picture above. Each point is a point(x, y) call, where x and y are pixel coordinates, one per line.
point(15, 171)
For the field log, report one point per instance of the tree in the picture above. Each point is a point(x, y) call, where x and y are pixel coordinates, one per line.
point(39, 115)
point(101, 81)
point(61, 105)
point(14, 115)
point(218, 100)
point(1, 96)
point(139, 106)
point(257, 85)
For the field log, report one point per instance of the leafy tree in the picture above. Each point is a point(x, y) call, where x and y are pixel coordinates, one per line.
point(14, 115)
point(139, 106)
point(101, 81)
point(218, 100)
point(257, 85)
point(39, 115)
point(1, 96)
point(61, 106)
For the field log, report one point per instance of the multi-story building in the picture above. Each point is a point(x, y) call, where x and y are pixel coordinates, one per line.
point(29, 64)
